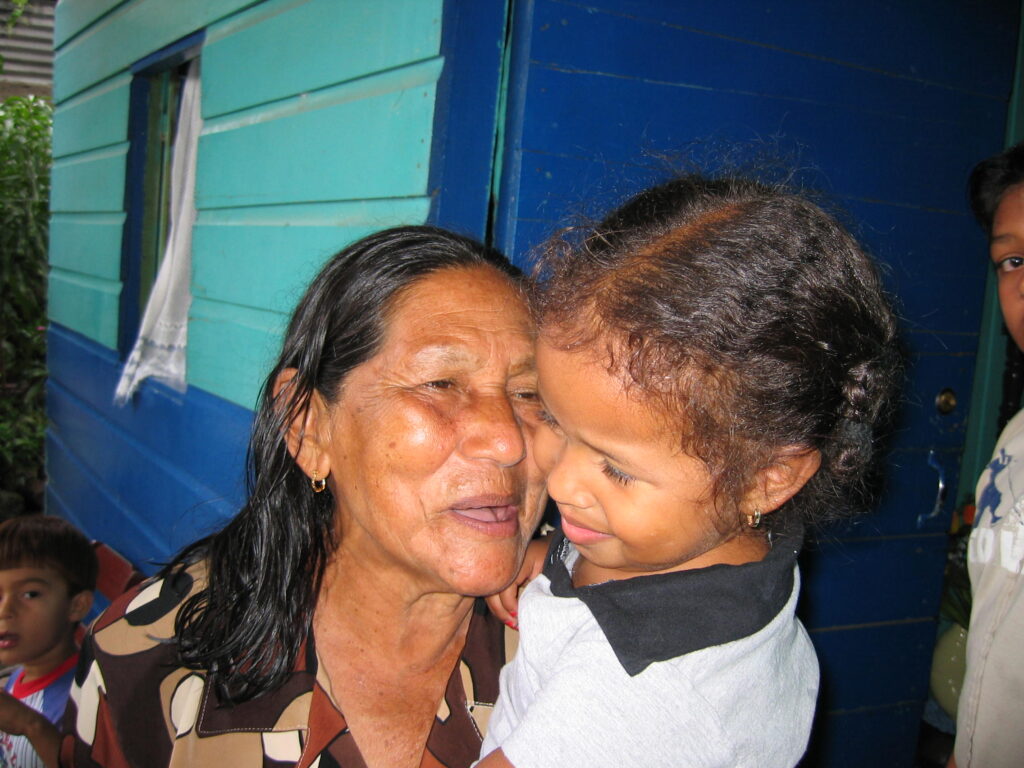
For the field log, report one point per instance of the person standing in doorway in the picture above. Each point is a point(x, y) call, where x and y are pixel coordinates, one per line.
point(988, 734)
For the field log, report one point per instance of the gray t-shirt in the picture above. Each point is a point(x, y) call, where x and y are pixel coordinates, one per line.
point(579, 693)
point(988, 728)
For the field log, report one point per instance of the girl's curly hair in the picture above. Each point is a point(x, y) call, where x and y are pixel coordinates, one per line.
point(751, 317)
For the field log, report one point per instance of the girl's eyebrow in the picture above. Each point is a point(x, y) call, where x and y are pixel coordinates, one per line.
point(607, 454)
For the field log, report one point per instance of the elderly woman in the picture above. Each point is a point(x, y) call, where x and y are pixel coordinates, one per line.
point(334, 621)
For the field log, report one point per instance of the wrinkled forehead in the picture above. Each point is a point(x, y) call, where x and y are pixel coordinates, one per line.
point(460, 315)
point(458, 289)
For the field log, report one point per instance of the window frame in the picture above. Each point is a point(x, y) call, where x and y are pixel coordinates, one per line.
point(137, 275)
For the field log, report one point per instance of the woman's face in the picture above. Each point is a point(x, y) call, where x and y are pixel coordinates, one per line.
point(430, 441)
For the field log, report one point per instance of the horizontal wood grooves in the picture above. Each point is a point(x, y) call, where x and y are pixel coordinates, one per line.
point(346, 104)
point(318, 118)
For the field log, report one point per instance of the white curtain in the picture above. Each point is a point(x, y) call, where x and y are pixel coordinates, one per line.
point(159, 350)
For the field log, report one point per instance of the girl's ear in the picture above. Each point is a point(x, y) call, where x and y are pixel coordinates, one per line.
point(304, 434)
point(781, 480)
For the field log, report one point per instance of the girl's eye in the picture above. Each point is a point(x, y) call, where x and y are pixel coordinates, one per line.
point(1009, 263)
point(31, 594)
point(616, 474)
point(548, 420)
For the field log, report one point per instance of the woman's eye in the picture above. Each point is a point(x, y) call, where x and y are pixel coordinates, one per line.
point(1009, 263)
point(616, 474)
point(440, 384)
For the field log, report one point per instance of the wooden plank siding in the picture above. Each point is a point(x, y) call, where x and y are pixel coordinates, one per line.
point(348, 123)
point(349, 156)
point(112, 41)
point(318, 121)
point(26, 50)
point(146, 478)
point(95, 118)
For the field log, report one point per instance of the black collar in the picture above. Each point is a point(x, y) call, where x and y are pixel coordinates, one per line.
point(662, 616)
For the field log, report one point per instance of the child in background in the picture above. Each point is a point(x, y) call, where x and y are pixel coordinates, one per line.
point(47, 576)
point(715, 361)
point(987, 732)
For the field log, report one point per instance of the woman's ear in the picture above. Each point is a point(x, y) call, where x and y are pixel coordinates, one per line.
point(780, 481)
point(304, 433)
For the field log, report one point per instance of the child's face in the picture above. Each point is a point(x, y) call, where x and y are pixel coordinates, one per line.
point(37, 618)
point(630, 499)
point(1007, 251)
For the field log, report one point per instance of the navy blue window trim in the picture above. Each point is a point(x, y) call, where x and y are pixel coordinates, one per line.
point(173, 55)
point(504, 216)
point(465, 114)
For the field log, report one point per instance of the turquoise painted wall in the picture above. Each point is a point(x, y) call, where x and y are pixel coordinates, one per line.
point(317, 130)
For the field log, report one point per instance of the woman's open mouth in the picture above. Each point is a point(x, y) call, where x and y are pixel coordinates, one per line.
point(494, 515)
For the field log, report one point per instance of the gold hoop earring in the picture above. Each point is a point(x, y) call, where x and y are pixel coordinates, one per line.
point(318, 483)
point(754, 520)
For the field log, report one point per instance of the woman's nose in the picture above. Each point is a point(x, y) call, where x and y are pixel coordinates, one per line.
point(493, 432)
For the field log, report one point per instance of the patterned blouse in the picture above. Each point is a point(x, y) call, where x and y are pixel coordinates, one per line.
point(133, 704)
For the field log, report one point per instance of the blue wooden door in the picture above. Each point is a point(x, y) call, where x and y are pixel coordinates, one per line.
point(885, 106)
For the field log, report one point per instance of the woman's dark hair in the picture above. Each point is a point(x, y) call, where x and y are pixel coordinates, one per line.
point(990, 179)
point(264, 569)
point(750, 316)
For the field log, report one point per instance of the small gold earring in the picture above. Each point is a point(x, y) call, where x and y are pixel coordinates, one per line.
point(318, 483)
point(754, 520)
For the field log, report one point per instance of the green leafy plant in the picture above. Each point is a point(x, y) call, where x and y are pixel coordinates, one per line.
point(25, 141)
point(17, 10)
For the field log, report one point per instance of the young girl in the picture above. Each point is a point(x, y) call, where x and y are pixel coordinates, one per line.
point(715, 361)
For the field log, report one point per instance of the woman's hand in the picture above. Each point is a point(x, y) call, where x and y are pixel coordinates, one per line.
point(505, 604)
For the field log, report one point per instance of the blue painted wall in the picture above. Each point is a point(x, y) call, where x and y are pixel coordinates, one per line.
point(884, 106)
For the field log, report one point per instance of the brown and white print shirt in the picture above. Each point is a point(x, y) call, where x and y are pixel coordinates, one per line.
point(134, 706)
